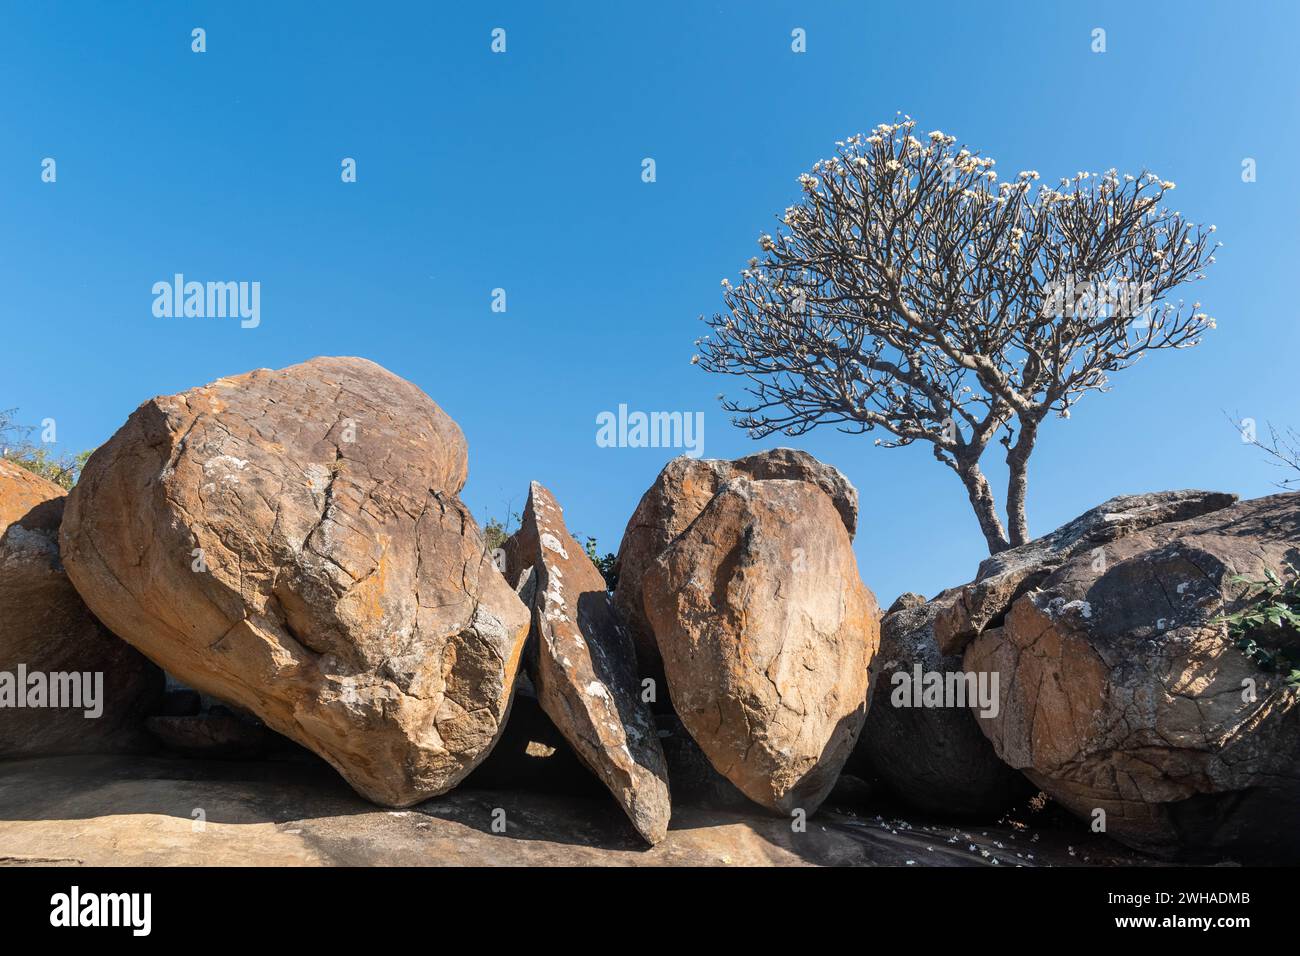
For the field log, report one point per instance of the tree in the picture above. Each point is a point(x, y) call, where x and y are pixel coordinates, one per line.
point(1282, 448)
point(12, 435)
point(16, 446)
point(911, 292)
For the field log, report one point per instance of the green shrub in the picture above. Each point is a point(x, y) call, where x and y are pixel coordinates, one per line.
point(1267, 628)
point(605, 564)
point(495, 534)
point(16, 446)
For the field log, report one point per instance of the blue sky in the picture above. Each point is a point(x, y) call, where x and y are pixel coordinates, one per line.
point(523, 171)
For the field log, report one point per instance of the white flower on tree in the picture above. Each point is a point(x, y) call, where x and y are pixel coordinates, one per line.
point(930, 295)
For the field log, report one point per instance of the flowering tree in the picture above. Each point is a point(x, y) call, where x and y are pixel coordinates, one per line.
point(913, 293)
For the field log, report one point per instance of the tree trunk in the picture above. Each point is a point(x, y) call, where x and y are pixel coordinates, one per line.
point(986, 509)
point(1018, 481)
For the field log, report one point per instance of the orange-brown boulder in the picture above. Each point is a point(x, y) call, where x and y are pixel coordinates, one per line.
point(678, 495)
point(292, 542)
point(767, 635)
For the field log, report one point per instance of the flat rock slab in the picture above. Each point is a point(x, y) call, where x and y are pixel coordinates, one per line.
point(139, 811)
point(584, 666)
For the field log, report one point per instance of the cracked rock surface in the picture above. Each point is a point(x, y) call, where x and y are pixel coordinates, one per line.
point(291, 542)
point(676, 498)
point(767, 634)
point(583, 666)
point(45, 626)
point(1005, 576)
point(1120, 693)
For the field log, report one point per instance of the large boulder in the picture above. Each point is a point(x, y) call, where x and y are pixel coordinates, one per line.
point(1121, 691)
point(932, 756)
point(767, 634)
point(1005, 576)
point(677, 496)
point(91, 691)
point(292, 542)
point(583, 666)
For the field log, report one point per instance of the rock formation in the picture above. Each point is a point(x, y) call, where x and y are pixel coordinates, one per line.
point(933, 758)
point(767, 634)
point(1124, 699)
point(677, 496)
point(583, 666)
point(1005, 576)
point(91, 691)
point(292, 542)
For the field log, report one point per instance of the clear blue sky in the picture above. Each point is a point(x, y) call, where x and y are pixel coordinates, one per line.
point(523, 171)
